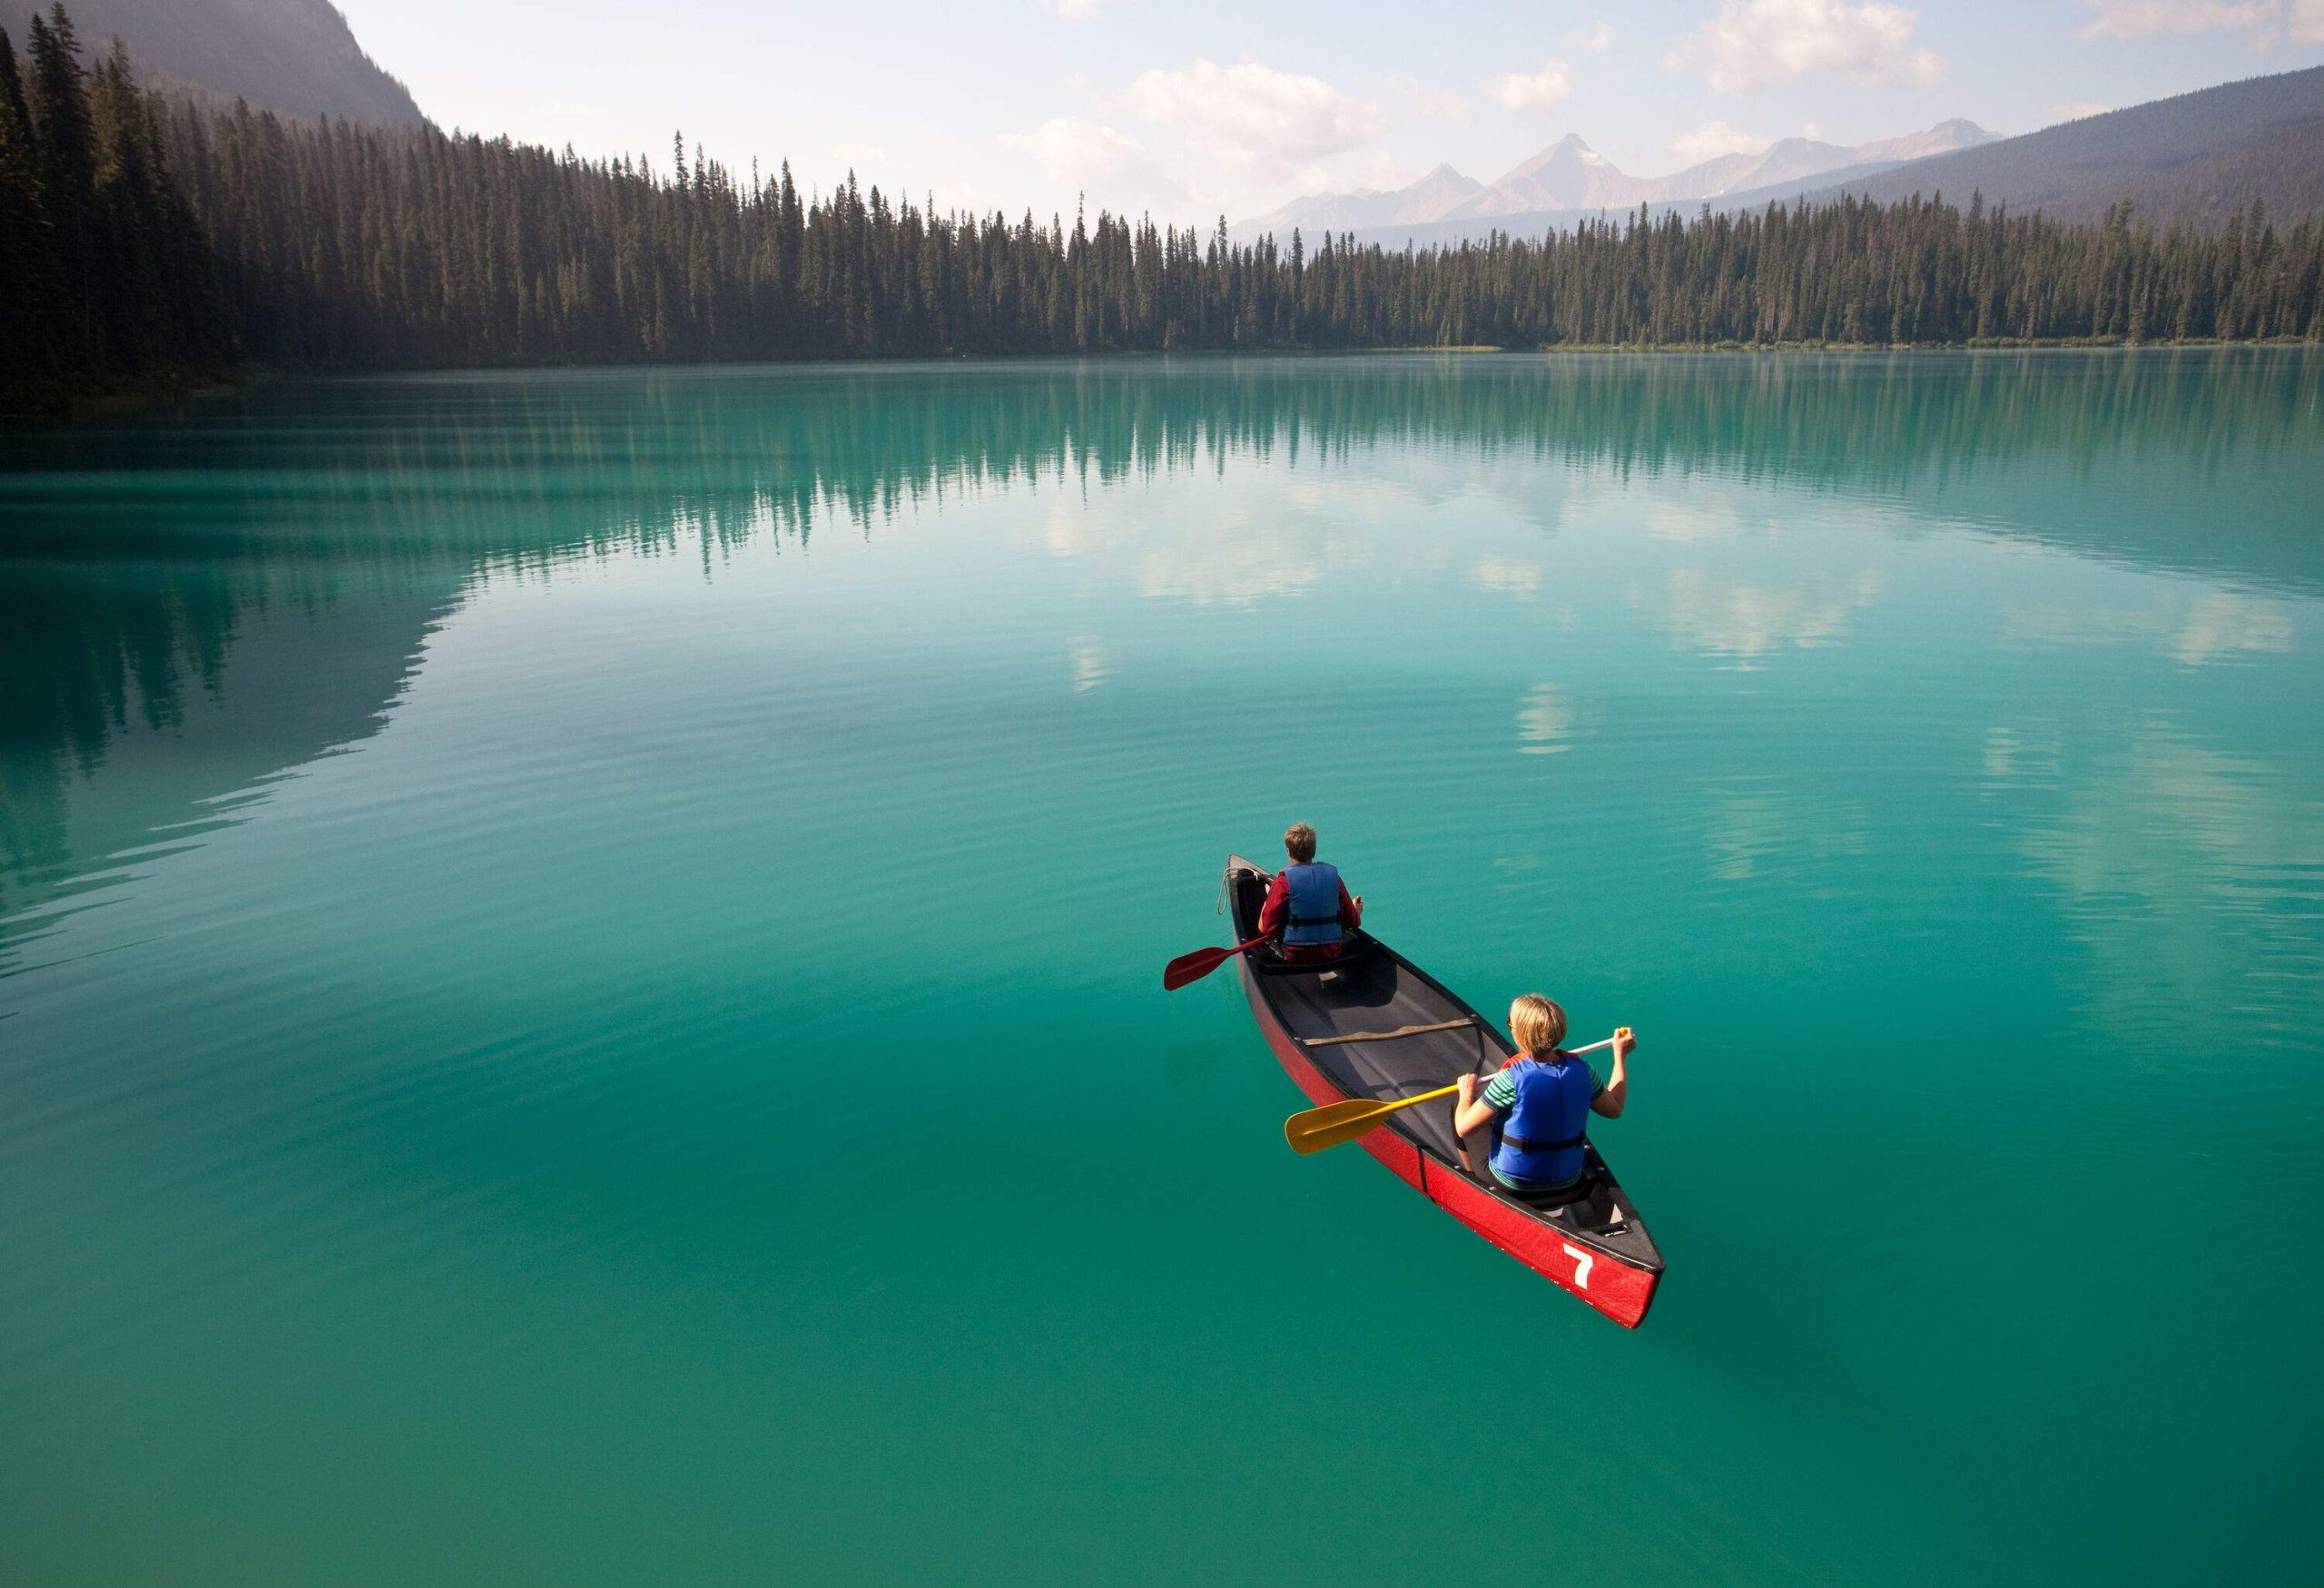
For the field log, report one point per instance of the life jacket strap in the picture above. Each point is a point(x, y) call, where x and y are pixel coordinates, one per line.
point(1522, 1145)
point(1330, 920)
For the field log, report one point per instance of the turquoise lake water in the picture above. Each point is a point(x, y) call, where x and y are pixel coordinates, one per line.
point(579, 962)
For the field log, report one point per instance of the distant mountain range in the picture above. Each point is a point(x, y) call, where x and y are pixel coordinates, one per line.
point(2198, 159)
point(298, 56)
point(1570, 176)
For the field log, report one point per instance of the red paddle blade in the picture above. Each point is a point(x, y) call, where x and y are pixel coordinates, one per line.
point(1193, 966)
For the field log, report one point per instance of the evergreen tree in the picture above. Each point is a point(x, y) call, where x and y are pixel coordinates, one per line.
point(144, 237)
point(33, 353)
point(105, 275)
point(66, 156)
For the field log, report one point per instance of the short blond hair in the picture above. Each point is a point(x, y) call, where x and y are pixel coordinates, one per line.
point(1299, 843)
point(1538, 1024)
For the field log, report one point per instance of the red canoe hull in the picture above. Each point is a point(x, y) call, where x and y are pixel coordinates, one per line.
point(1620, 1290)
point(1584, 1267)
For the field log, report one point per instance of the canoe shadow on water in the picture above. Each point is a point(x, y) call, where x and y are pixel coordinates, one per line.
point(1759, 1346)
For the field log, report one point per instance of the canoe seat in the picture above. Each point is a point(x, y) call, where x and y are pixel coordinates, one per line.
point(1268, 960)
point(1548, 1202)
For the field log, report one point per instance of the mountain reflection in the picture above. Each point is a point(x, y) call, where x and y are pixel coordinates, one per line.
point(223, 595)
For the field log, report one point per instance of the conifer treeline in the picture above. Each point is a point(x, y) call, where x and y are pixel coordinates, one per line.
point(333, 246)
point(344, 246)
point(105, 276)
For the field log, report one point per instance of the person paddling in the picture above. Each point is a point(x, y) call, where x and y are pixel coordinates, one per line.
point(1542, 1101)
point(1307, 904)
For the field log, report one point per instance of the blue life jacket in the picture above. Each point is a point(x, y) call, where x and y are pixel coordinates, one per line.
point(1540, 1138)
point(1313, 913)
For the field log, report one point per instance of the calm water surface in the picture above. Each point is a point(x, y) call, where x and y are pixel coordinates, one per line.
point(578, 972)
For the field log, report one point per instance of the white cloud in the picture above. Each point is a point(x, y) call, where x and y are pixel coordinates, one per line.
point(2307, 22)
point(1071, 10)
point(1095, 160)
point(1601, 36)
point(1713, 139)
point(1753, 43)
point(1545, 89)
point(860, 154)
point(1257, 122)
point(2137, 19)
point(2072, 110)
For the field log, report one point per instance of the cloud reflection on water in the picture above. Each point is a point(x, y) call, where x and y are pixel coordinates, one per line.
point(136, 559)
point(2194, 630)
point(2220, 624)
point(1089, 665)
point(1747, 623)
point(2195, 878)
point(1545, 723)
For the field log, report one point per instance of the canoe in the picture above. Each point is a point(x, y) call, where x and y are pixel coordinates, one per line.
point(1594, 1246)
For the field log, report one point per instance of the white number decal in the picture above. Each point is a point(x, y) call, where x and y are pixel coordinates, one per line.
point(1581, 1261)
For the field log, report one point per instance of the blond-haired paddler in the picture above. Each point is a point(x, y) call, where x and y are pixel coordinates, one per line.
point(1540, 1101)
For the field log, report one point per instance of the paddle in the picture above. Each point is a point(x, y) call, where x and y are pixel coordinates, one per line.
point(1195, 966)
point(1317, 1128)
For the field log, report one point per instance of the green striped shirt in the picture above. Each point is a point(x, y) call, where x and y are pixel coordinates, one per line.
point(1501, 1092)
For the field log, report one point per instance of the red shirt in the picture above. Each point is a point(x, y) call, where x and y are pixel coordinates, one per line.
point(1279, 899)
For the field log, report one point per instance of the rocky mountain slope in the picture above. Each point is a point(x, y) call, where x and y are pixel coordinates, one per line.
point(298, 56)
point(2198, 158)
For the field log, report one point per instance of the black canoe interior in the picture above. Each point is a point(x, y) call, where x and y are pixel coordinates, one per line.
point(1371, 988)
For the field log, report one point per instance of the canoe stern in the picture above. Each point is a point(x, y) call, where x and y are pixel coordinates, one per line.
point(1582, 1269)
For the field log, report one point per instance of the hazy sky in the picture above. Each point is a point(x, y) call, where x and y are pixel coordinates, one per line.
point(1193, 109)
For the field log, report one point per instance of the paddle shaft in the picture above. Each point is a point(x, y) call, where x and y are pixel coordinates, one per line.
point(1446, 1091)
point(1351, 1117)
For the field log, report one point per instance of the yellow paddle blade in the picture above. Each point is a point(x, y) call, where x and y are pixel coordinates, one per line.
point(1317, 1128)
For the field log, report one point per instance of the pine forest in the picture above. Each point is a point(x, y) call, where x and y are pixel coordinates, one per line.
point(146, 241)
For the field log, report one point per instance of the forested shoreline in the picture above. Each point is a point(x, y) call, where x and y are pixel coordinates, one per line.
point(106, 277)
point(146, 240)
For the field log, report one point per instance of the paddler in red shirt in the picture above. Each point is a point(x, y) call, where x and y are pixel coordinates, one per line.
point(1309, 909)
